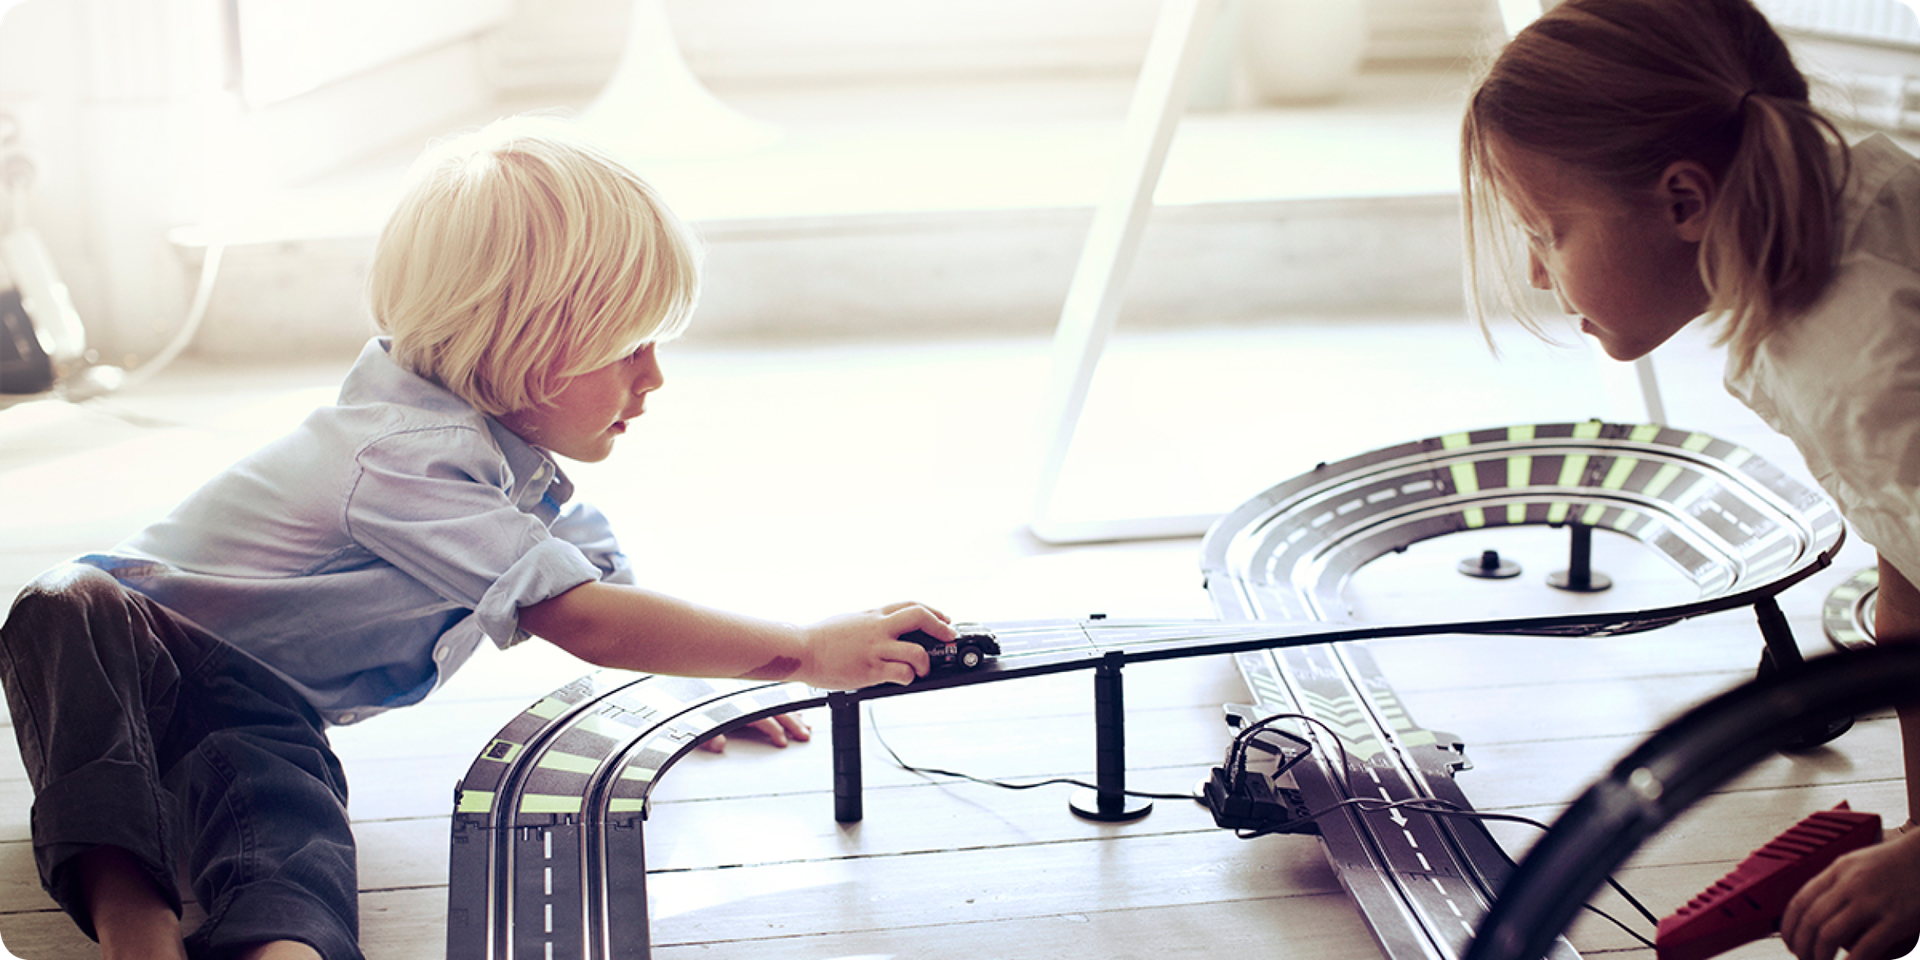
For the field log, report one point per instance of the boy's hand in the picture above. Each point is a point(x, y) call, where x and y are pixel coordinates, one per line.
point(777, 730)
point(862, 649)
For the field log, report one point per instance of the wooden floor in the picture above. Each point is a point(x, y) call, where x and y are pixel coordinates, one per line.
point(800, 480)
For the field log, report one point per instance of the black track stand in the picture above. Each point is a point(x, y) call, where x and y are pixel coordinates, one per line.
point(1782, 655)
point(848, 805)
point(1489, 565)
point(1579, 577)
point(1109, 802)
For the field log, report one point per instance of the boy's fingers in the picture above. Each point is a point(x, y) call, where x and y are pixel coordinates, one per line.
point(907, 605)
point(787, 727)
point(916, 616)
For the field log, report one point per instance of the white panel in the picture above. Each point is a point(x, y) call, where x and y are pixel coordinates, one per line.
point(288, 47)
point(1889, 21)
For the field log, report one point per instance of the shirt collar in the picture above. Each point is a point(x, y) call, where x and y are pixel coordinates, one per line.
point(377, 378)
point(535, 474)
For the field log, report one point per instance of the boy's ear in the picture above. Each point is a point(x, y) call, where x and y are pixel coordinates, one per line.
point(1687, 191)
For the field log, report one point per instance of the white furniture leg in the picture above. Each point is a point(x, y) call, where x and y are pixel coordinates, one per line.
point(1179, 44)
point(653, 106)
point(1093, 300)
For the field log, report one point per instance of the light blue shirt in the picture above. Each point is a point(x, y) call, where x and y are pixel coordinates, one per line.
point(363, 556)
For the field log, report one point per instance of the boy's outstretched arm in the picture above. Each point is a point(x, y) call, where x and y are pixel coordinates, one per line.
point(631, 628)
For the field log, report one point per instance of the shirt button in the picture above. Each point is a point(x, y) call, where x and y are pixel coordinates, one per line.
point(440, 654)
point(346, 717)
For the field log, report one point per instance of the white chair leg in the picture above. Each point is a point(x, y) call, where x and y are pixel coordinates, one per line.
point(1174, 57)
point(654, 106)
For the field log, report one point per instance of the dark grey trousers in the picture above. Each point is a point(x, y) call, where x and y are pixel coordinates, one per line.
point(141, 731)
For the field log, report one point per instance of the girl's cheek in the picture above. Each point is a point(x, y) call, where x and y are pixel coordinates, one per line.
point(1537, 272)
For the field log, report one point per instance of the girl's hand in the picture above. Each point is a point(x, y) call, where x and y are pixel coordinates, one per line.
point(862, 649)
point(1867, 903)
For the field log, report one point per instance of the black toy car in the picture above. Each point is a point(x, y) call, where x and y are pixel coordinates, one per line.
point(969, 649)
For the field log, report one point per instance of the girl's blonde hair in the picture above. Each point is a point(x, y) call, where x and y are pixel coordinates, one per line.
point(522, 255)
point(1621, 89)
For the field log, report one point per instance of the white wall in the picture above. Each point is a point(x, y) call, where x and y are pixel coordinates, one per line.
point(136, 115)
point(569, 43)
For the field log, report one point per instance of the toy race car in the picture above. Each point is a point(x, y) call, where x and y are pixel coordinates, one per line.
point(970, 647)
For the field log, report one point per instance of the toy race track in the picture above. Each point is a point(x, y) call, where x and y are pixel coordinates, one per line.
point(548, 855)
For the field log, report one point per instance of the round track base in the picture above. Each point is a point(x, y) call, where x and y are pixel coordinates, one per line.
point(1085, 804)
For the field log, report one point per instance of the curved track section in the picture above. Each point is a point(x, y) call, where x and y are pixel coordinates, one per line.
point(548, 859)
point(1847, 614)
point(1728, 521)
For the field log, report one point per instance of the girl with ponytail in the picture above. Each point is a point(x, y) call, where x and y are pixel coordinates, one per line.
point(1654, 163)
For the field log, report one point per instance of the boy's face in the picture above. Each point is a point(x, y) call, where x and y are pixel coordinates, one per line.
point(592, 409)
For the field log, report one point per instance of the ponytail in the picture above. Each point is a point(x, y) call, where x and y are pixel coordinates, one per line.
point(1770, 242)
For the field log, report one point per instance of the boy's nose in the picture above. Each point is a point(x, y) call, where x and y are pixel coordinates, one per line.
point(649, 378)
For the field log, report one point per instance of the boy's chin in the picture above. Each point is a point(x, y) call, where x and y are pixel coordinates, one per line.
point(584, 454)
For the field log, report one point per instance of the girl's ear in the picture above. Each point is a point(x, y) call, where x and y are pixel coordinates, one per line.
point(1687, 191)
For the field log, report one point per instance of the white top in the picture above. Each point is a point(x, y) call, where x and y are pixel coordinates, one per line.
point(1842, 381)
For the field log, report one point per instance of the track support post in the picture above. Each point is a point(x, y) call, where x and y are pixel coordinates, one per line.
point(1782, 656)
point(1579, 577)
point(847, 802)
point(1109, 802)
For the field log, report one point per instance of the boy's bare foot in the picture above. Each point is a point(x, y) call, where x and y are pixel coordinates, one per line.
point(283, 950)
point(130, 917)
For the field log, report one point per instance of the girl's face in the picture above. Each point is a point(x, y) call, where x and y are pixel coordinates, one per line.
point(592, 410)
point(1626, 266)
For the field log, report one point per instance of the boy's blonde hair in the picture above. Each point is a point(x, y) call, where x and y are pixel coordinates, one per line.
point(1619, 90)
point(522, 255)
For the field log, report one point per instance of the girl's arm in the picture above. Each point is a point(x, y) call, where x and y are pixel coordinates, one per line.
point(1896, 619)
point(1867, 903)
point(631, 628)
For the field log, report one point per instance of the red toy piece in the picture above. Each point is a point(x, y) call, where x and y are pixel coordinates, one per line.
point(1746, 904)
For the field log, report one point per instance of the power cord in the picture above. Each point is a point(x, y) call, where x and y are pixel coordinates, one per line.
point(1002, 784)
point(1257, 795)
point(1236, 797)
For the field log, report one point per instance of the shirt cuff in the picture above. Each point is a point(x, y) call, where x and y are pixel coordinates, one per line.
point(548, 570)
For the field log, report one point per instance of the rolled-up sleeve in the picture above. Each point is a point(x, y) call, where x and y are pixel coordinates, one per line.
point(586, 527)
point(547, 571)
point(436, 504)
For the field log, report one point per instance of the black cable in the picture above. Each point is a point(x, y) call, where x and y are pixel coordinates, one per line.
point(1236, 765)
point(1002, 784)
point(1237, 751)
point(1438, 807)
point(1433, 806)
